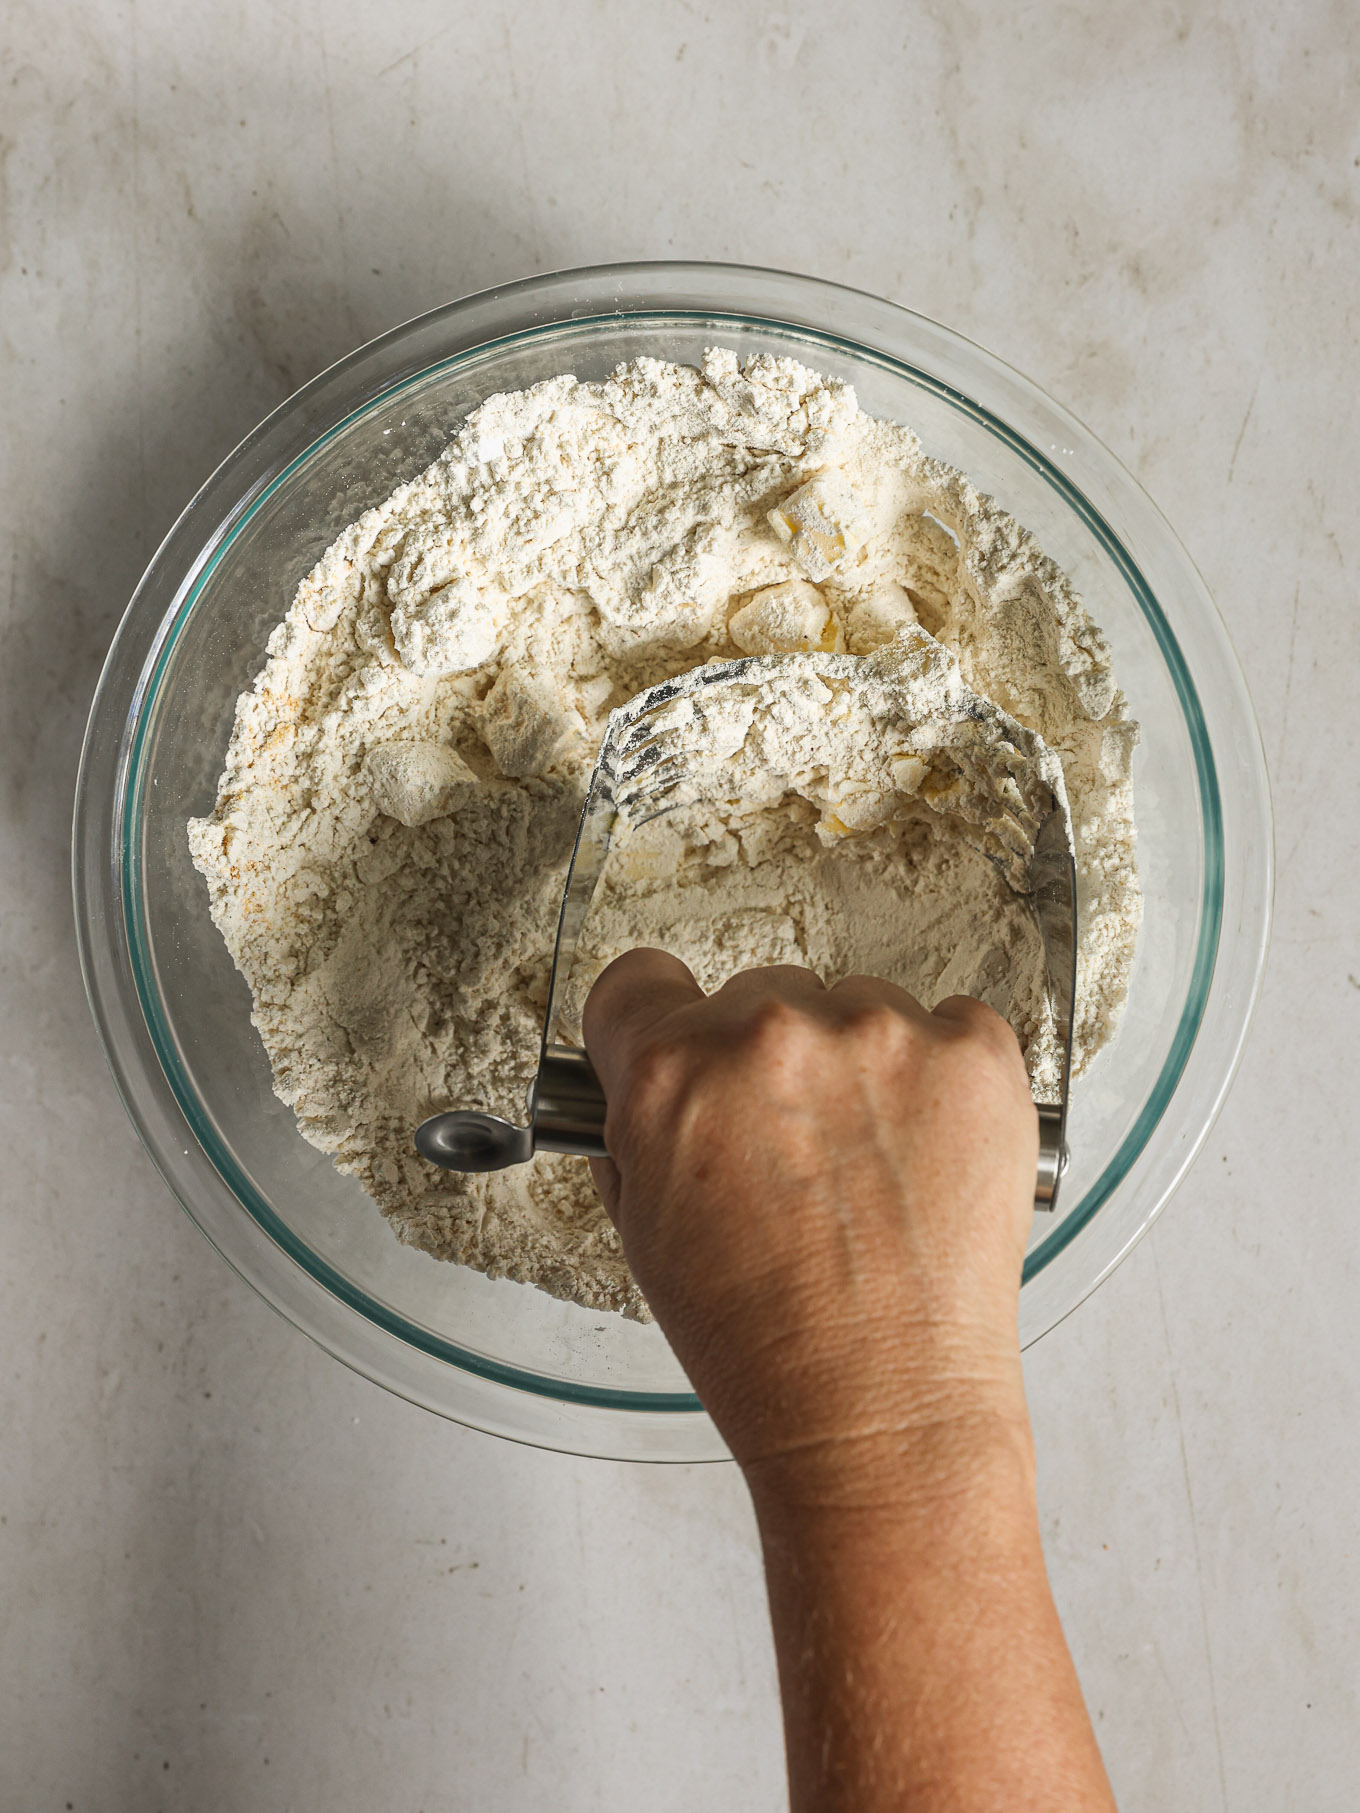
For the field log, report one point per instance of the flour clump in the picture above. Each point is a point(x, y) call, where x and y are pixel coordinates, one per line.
point(400, 793)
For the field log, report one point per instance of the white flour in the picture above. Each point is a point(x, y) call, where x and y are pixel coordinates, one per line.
point(854, 813)
point(393, 822)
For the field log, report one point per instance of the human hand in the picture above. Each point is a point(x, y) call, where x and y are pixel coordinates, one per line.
point(825, 1195)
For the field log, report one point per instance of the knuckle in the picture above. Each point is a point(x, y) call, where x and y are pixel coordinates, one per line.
point(774, 1019)
point(882, 1030)
point(776, 1032)
point(985, 1055)
point(982, 1025)
point(656, 1077)
point(966, 1012)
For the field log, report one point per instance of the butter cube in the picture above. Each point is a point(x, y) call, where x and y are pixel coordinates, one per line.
point(908, 771)
point(853, 812)
point(823, 522)
point(788, 619)
point(527, 729)
point(456, 630)
point(415, 782)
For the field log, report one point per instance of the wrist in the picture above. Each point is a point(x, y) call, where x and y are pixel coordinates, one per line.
point(917, 1640)
point(909, 1471)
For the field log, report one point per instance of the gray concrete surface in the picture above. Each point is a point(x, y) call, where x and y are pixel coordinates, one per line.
point(235, 1578)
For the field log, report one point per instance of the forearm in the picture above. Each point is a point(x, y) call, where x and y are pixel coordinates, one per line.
point(922, 1665)
point(826, 1194)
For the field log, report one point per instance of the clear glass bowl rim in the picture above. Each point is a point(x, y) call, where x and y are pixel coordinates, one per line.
point(249, 476)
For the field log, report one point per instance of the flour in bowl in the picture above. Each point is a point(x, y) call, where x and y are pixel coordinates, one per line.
point(395, 816)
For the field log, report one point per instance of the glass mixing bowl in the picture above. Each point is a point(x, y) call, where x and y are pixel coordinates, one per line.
point(174, 1015)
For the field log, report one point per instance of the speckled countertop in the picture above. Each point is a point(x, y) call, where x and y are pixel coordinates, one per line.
point(234, 1576)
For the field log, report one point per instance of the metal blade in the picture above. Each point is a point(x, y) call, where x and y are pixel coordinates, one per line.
point(593, 835)
point(1053, 888)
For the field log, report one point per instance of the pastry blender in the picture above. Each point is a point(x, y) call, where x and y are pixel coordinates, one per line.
point(642, 771)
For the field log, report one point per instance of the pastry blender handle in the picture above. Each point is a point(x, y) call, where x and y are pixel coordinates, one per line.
point(566, 1114)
